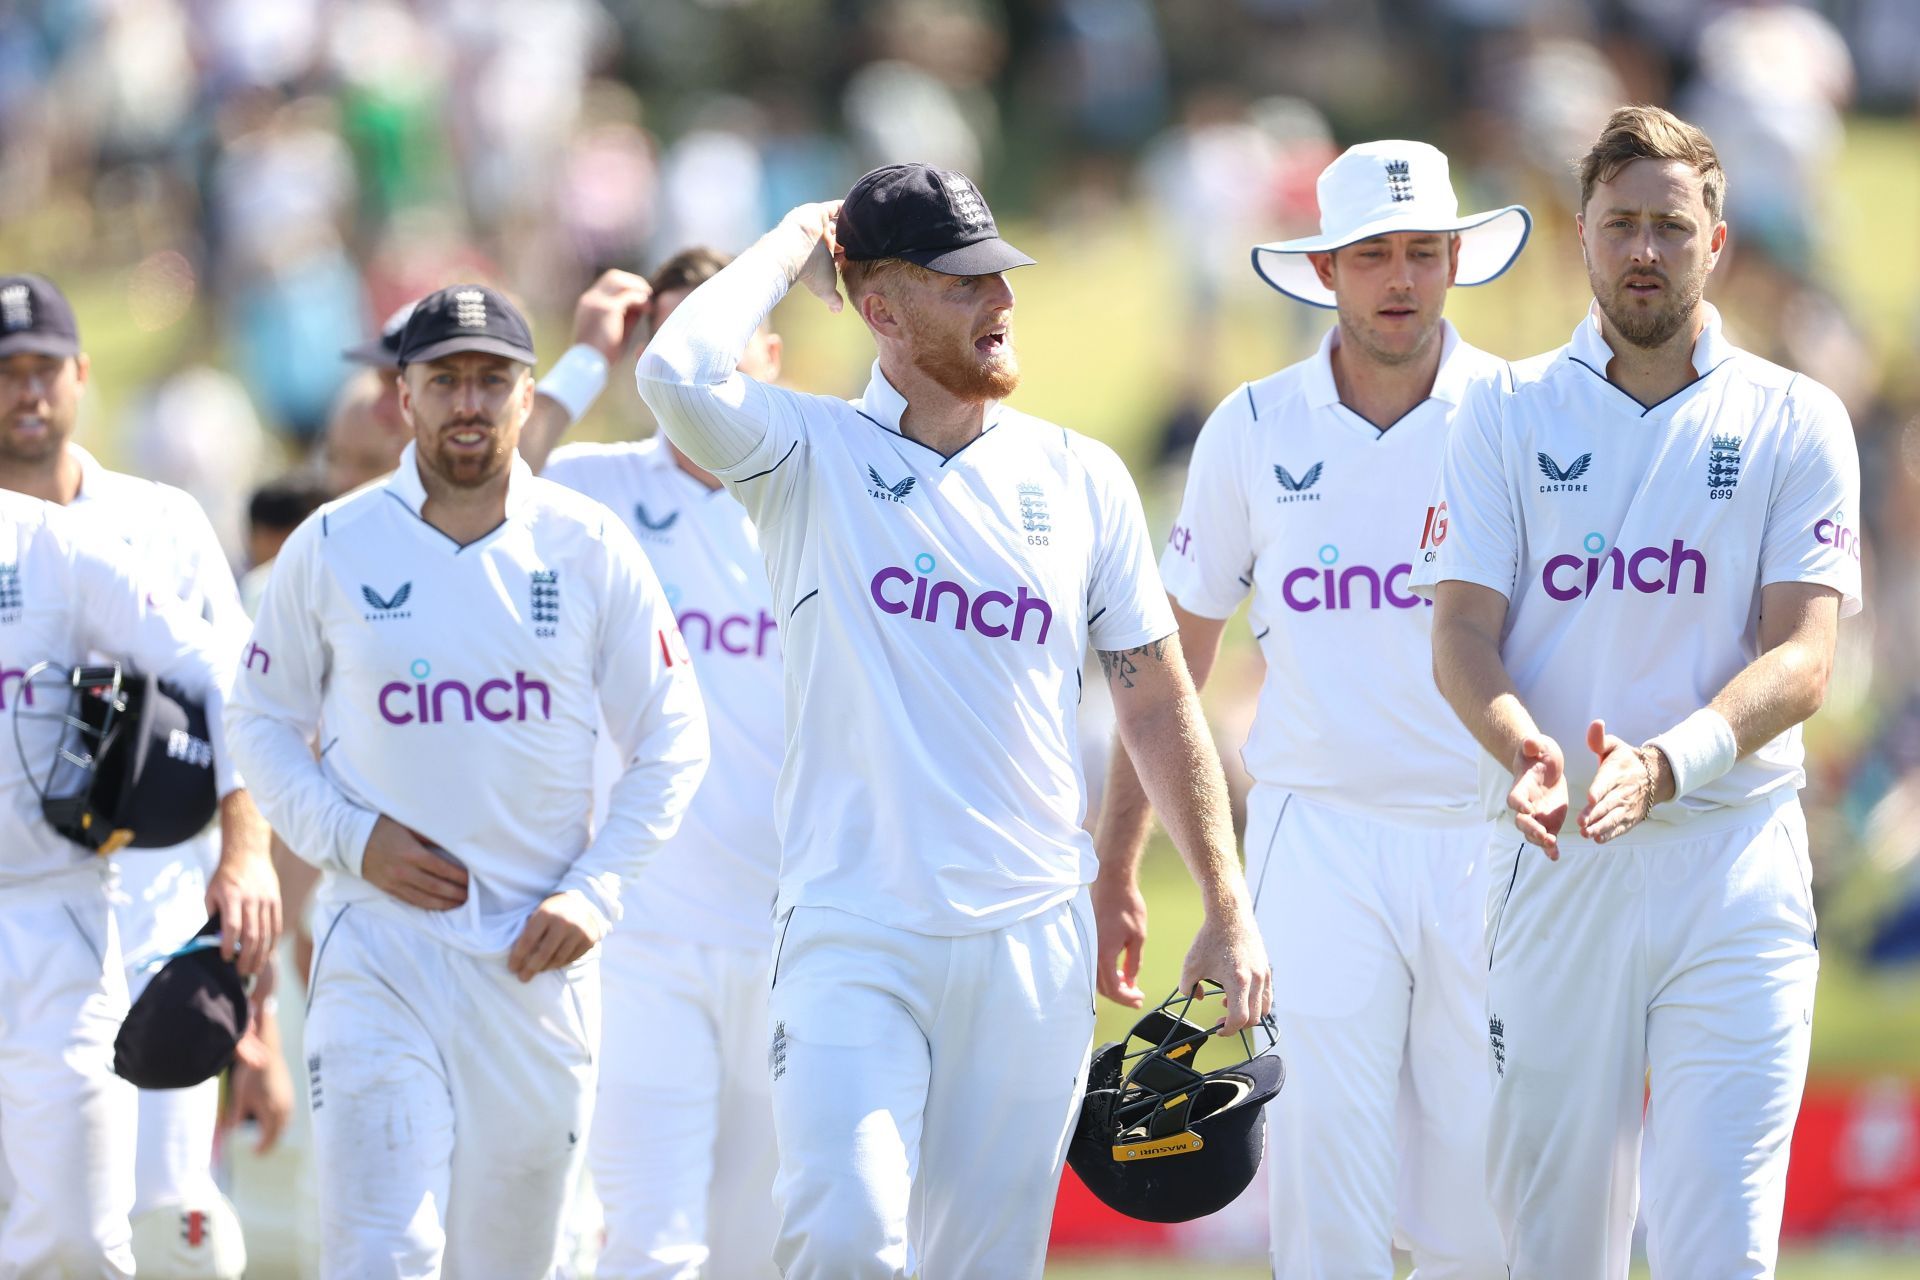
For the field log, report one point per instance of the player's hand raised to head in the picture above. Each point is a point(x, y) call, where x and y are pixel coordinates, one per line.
point(1629, 782)
point(399, 862)
point(561, 930)
point(1229, 951)
point(814, 223)
point(1539, 795)
point(611, 315)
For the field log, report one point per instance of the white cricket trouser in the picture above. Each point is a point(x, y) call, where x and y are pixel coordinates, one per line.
point(923, 1091)
point(682, 1151)
point(1374, 929)
point(450, 1102)
point(159, 903)
point(1694, 957)
point(66, 1121)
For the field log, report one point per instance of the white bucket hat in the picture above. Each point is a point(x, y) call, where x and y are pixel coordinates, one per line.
point(1377, 188)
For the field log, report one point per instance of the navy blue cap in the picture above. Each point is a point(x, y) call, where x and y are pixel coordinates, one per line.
point(465, 317)
point(382, 352)
point(933, 218)
point(35, 318)
point(185, 1026)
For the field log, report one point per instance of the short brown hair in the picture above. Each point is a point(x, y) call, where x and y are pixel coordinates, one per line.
point(687, 269)
point(1643, 132)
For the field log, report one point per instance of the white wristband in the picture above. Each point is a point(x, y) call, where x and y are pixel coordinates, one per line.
point(1699, 750)
point(576, 380)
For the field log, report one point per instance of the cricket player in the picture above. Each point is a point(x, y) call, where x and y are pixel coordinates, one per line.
point(67, 1123)
point(1650, 536)
point(458, 630)
point(163, 896)
point(1365, 843)
point(940, 564)
point(682, 1153)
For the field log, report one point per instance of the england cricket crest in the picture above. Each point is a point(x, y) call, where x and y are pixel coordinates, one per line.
point(1723, 466)
point(1399, 181)
point(16, 308)
point(1035, 517)
point(544, 593)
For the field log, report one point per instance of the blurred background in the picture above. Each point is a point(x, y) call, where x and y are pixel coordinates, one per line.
point(233, 190)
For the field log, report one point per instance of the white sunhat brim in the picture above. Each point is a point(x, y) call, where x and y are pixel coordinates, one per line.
point(1489, 242)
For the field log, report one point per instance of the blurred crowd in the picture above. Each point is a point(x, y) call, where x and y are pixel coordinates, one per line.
point(256, 186)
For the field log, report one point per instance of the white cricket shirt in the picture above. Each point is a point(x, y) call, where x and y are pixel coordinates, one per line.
point(174, 544)
point(458, 690)
point(1632, 542)
point(67, 593)
point(936, 615)
point(715, 881)
point(1298, 500)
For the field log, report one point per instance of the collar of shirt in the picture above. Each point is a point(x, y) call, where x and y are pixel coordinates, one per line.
point(406, 485)
point(1449, 382)
point(1590, 347)
point(882, 404)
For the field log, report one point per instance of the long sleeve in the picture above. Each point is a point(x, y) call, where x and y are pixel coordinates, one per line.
point(688, 374)
point(147, 625)
point(653, 708)
point(275, 712)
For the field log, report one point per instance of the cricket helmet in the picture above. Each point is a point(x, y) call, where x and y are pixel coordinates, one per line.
point(128, 761)
point(1160, 1139)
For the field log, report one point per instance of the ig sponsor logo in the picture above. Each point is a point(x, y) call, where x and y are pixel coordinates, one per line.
point(1357, 586)
point(1433, 533)
point(1648, 571)
point(429, 701)
point(993, 614)
point(1830, 532)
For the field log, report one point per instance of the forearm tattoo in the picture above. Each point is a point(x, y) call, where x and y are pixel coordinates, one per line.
point(1122, 665)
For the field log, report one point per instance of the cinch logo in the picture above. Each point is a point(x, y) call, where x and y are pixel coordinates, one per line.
point(427, 703)
point(889, 492)
point(385, 607)
point(1296, 490)
point(1181, 539)
point(1831, 533)
point(1650, 570)
point(735, 633)
point(927, 595)
point(14, 679)
point(266, 659)
point(1324, 586)
point(1563, 477)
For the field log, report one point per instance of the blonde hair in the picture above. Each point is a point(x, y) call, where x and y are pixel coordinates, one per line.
point(1643, 132)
